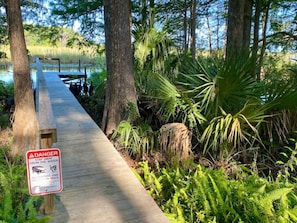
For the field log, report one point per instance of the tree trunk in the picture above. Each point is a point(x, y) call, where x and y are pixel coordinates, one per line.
point(234, 27)
point(239, 27)
point(120, 89)
point(24, 118)
point(193, 24)
point(247, 21)
point(256, 37)
point(264, 42)
point(209, 33)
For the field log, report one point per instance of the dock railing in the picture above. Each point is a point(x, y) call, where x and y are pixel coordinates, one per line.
point(47, 124)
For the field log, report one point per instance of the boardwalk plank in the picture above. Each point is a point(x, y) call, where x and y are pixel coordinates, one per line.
point(98, 185)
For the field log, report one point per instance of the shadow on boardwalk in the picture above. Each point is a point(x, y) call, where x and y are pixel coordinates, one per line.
point(98, 185)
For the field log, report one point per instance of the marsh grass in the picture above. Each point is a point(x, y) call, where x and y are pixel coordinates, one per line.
point(67, 55)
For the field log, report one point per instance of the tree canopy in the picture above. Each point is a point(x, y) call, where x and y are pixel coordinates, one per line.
point(176, 17)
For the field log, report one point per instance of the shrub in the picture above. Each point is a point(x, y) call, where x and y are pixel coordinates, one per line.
point(6, 93)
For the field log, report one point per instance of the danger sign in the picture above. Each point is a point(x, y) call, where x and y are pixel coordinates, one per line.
point(44, 171)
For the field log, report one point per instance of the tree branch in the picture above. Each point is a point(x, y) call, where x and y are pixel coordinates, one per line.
point(284, 34)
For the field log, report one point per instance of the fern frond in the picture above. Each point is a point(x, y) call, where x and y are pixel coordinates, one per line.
point(21, 216)
point(292, 213)
point(202, 195)
point(7, 198)
point(30, 208)
point(217, 191)
point(136, 174)
point(267, 201)
point(262, 189)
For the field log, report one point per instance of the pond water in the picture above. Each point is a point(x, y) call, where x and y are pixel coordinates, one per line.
point(6, 75)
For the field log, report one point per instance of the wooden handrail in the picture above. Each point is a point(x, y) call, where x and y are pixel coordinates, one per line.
point(47, 124)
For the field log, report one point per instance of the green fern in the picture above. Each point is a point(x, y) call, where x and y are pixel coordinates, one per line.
point(205, 195)
point(267, 201)
point(6, 204)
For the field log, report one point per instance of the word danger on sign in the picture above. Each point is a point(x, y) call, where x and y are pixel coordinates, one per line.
point(44, 171)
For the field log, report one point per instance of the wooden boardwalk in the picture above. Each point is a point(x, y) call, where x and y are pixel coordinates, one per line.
point(98, 185)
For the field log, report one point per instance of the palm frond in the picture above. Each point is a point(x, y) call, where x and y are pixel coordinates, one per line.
point(172, 103)
point(281, 96)
point(234, 131)
point(152, 49)
point(220, 83)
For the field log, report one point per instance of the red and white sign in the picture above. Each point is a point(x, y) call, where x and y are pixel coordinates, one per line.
point(44, 171)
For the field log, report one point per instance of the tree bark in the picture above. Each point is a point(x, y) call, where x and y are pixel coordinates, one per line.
point(247, 21)
point(239, 27)
point(120, 89)
point(193, 24)
point(234, 27)
point(255, 45)
point(25, 128)
point(264, 40)
point(209, 33)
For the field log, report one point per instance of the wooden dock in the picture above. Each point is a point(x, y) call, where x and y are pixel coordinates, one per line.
point(98, 185)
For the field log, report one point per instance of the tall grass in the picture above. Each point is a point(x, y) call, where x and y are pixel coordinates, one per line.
point(66, 54)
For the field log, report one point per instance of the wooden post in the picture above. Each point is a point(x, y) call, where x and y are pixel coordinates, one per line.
point(47, 125)
point(49, 204)
point(59, 64)
point(49, 199)
point(85, 75)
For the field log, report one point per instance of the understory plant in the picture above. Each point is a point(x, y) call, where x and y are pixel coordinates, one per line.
point(224, 106)
point(16, 205)
point(200, 194)
point(6, 94)
point(239, 109)
point(135, 139)
point(288, 164)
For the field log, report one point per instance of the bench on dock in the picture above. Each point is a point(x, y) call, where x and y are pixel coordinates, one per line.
point(46, 123)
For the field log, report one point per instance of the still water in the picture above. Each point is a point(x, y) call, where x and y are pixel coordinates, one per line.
point(6, 75)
